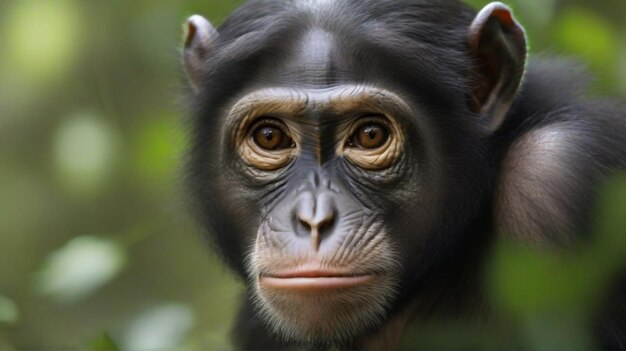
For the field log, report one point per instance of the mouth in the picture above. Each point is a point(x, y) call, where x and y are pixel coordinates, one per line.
point(314, 280)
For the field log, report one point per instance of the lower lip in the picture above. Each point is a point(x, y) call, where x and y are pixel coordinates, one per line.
point(306, 284)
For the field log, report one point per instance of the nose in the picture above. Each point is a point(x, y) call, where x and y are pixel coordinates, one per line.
point(316, 213)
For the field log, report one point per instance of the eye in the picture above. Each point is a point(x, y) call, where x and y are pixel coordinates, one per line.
point(369, 136)
point(266, 144)
point(270, 135)
point(374, 142)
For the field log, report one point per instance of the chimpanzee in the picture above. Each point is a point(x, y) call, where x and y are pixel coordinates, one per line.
point(354, 160)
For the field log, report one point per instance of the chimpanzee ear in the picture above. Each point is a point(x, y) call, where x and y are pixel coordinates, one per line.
point(200, 37)
point(498, 45)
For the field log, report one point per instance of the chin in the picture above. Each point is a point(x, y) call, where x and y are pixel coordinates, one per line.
point(325, 313)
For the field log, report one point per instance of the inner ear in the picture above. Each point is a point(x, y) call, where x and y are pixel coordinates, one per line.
point(497, 44)
point(199, 40)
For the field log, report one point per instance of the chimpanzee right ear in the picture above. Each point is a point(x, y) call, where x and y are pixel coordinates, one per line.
point(497, 43)
point(200, 37)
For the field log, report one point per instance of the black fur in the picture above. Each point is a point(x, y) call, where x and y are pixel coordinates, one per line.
point(418, 48)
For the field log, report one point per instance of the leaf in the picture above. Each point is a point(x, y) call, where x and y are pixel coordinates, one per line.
point(79, 268)
point(9, 313)
point(103, 343)
point(159, 328)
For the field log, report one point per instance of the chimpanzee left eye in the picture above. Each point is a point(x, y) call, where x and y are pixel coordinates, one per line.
point(369, 136)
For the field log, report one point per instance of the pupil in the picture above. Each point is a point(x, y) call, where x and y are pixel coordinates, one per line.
point(371, 132)
point(269, 138)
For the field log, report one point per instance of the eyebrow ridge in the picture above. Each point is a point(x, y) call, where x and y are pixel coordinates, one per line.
point(342, 99)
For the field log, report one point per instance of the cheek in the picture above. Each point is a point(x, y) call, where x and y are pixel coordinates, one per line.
point(413, 211)
point(240, 208)
point(388, 191)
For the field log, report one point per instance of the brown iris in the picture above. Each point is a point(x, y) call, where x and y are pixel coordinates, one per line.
point(369, 136)
point(271, 137)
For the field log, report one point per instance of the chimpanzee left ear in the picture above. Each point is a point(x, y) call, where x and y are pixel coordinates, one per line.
point(498, 45)
point(200, 37)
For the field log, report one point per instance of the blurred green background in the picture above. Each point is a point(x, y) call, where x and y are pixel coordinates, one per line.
point(96, 249)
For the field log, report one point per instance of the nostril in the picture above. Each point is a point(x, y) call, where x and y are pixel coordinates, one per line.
point(325, 225)
point(320, 226)
point(305, 224)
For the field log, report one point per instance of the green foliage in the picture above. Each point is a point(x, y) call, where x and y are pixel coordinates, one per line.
point(40, 55)
point(582, 33)
point(554, 294)
point(157, 147)
point(103, 343)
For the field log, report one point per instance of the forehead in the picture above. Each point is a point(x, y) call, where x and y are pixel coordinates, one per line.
point(315, 58)
point(321, 44)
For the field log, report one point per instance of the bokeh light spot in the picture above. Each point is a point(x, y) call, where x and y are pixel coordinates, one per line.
point(160, 328)
point(8, 311)
point(79, 268)
point(85, 151)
